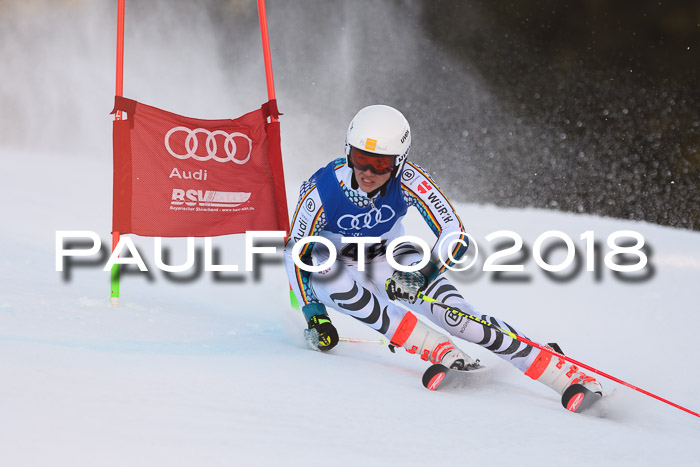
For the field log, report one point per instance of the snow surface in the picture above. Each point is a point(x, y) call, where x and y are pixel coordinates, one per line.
point(214, 372)
point(211, 373)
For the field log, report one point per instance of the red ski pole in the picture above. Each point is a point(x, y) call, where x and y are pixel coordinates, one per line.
point(483, 322)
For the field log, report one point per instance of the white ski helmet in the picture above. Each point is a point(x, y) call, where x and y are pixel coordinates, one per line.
point(381, 130)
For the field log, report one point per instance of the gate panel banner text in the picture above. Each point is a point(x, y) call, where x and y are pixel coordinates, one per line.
point(176, 176)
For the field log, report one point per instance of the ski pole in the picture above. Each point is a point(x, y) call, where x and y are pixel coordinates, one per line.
point(422, 296)
point(312, 338)
point(381, 341)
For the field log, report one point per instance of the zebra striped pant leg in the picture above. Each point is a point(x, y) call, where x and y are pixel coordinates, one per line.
point(353, 293)
point(515, 352)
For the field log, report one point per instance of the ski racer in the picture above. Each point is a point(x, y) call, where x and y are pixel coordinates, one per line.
point(366, 194)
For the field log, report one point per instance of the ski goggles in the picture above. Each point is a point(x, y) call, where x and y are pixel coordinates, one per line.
point(375, 163)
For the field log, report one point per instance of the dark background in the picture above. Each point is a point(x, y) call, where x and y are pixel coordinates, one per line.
point(612, 87)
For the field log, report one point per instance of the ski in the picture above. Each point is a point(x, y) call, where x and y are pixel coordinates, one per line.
point(438, 375)
point(578, 399)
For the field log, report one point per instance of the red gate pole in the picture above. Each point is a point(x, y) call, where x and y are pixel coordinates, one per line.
point(114, 273)
point(269, 78)
point(266, 53)
point(120, 54)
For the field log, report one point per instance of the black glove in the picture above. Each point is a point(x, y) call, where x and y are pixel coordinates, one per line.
point(406, 285)
point(321, 326)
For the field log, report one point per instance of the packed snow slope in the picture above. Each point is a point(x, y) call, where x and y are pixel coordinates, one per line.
point(207, 371)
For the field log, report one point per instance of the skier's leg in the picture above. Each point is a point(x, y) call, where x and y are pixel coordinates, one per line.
point(559, 374)
point(357, 294)
point(350, 292)
point(514, 352)
point(535, 363)
point(434, 346)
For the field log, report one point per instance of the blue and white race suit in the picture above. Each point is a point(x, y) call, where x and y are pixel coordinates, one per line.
point(330, 207)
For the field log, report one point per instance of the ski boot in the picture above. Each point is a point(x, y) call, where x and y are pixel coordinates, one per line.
point(558, 374)
point(417, 338)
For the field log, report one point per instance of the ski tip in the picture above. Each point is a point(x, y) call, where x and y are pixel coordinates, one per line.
point(577, 398)
point(434, 375)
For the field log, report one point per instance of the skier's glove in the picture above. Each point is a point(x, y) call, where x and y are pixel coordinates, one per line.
point(321, 326)
point(406, 285)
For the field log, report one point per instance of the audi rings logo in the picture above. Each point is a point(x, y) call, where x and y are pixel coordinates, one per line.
point(367, 220)
point(191, 144)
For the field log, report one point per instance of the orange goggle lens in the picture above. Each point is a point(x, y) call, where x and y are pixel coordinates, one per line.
point(377, 164)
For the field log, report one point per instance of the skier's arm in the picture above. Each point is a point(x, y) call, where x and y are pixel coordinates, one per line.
point(421, 191)
point(308, 220)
